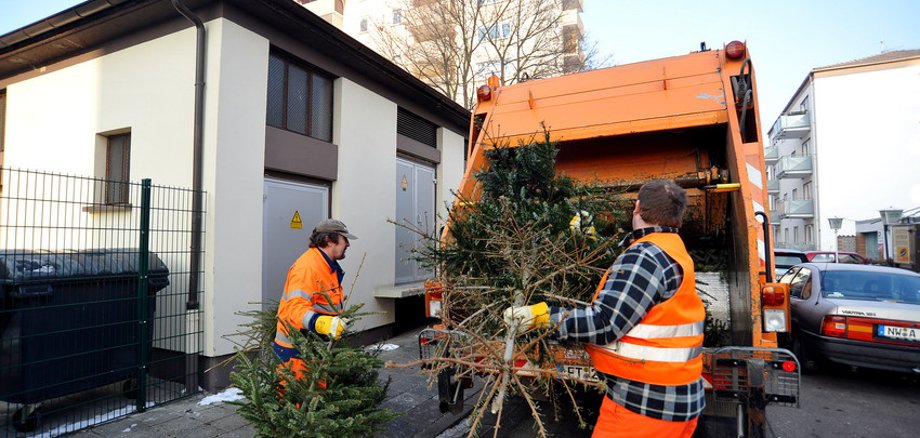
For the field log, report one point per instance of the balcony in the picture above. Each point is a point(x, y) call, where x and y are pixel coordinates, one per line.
point(801, 209)
point(792, 125)
point(774, 216)
point(773, 186)
point(794, 167)
point(770, 154)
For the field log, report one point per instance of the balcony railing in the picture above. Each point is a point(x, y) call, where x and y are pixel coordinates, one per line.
point(772, 186)
point(792, 125)
point(774, 216)
point(800, 208)
point(794, 167)
point(771, 154)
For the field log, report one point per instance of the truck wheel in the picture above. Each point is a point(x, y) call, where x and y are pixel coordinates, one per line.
point(27, 424)
point(450, 392)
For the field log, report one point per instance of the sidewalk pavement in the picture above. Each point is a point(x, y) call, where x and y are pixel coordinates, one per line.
point(208, 415)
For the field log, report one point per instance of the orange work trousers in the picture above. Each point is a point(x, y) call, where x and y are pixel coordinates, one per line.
point(615, 421)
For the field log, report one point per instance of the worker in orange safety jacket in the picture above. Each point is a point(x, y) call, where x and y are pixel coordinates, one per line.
point(644, 328)
point(312, 299)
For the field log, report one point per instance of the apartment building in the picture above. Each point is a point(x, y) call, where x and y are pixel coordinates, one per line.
point(845, 146)
point(393, 28)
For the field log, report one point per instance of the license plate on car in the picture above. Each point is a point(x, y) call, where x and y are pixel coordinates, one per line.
point(578, 372)
point(900, 333)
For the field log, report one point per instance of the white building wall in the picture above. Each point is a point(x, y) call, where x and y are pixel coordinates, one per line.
point(450, 171)
point(363, 197)
point(868, 145)
point(234, 158)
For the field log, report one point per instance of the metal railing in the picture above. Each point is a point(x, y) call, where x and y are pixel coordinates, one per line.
point(93, 321)
point(794, 167)
point(792, 125)
point(800, 208)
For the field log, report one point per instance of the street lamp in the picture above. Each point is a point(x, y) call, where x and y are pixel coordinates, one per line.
point(889, 216)
point(835, 223)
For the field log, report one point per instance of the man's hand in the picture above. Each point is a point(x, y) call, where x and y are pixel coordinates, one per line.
point(331, 326)
point(531, 317)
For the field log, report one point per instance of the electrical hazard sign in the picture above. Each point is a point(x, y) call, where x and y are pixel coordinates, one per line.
point(295, 221)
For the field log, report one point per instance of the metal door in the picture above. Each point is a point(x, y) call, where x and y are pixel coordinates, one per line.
point(289, 212)
point(415, 206)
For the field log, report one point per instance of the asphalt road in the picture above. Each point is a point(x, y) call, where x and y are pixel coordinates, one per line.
point(840, 402)
point(835, 402)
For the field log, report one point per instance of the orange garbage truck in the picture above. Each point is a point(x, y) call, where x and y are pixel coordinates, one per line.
point(693, 119)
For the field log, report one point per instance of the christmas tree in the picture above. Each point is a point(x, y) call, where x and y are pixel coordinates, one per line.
point(338, 395)
point(532, 235)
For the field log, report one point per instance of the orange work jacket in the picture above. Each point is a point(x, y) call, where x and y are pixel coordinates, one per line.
point(312, 287)
point(665, 347)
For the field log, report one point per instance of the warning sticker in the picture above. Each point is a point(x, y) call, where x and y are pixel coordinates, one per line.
point(295, 221)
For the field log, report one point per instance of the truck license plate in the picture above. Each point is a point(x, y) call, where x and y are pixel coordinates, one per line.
point(900, 333)
point(578, 372)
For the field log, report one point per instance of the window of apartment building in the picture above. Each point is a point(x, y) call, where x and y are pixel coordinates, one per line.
point(806, 190)
point(397, 16)
point(364, 24)
point(809, 233)
point(299, 98)
point(117, 168)
point(795, 194)
point(770, 172)
point(495, 32)
point(795, 234)
point(806, 147)
point(804, 105)
point(786, 235)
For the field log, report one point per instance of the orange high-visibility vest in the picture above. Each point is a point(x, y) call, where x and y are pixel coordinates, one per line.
point(665, 347)
point(311, 287)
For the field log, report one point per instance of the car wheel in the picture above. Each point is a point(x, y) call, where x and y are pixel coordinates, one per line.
point(809, 364)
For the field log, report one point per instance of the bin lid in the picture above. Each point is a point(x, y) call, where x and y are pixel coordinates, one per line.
point(25, 265)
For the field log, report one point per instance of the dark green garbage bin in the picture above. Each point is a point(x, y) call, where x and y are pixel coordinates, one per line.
point(69, 320)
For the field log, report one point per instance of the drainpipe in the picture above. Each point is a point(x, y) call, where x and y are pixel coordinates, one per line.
point(195, 262)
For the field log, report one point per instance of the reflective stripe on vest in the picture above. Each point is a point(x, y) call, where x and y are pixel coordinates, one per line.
point(646, 331)
point(642, 352)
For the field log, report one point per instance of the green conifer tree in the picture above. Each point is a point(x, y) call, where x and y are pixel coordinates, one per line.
point(339, 395)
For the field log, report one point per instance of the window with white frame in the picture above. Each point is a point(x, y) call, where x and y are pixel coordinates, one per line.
point(363, 26)
point(806, 190)
point(795, 234)
point(795, 194)
point(804, 105)
point(495, 32)
point(806, 146)
point(809, 233)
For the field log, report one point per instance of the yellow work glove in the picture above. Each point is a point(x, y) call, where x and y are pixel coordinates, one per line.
point(531, 317)
point(331, 326)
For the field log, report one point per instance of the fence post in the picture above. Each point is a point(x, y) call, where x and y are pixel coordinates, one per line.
point(143, 319)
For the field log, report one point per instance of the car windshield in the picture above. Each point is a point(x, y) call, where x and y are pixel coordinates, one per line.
point(785, 261)
point(871, 286)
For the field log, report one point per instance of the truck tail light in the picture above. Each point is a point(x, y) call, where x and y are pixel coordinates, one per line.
point(772, 296)
point(735, 50)
point(434, 293)
point(773, 299)
point(484, 94)
point(835, 326)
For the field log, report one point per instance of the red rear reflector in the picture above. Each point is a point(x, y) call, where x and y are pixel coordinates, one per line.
point(424, 341)
point(834, 326)
point(484, 93)
point(773, 297)
point(788, 366)
point(519, 363)
point(734, 50)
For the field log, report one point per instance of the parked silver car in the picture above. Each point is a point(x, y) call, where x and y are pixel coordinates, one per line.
point(859, 315)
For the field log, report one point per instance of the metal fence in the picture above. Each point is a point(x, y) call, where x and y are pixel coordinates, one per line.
point(98, 300)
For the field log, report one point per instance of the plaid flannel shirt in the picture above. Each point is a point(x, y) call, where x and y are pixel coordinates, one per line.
point(640, 278)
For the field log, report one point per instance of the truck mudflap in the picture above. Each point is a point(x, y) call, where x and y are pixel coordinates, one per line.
point(741, 381)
